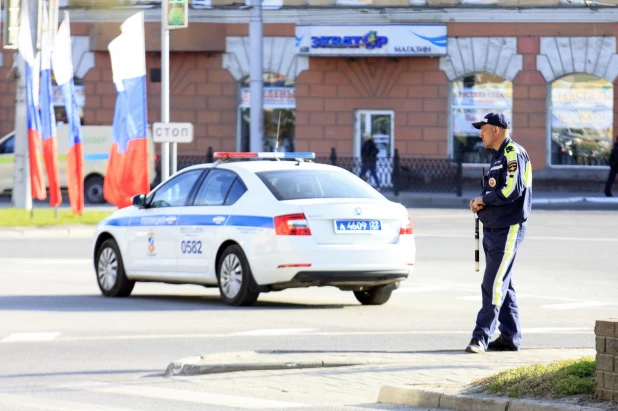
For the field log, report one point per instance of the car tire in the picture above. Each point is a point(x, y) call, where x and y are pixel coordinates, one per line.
point(93, 190)
point(110, 273)
point(374, 296)
point(234, 278)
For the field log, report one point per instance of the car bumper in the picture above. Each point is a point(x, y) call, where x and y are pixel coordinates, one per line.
point(336, 265)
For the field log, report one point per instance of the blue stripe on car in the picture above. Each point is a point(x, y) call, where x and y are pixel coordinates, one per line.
point(194, 220)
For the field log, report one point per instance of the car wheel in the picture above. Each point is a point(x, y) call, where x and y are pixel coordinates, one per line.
point(234, 276)
point(110, 271)
point(93, 190)
point(374, 296)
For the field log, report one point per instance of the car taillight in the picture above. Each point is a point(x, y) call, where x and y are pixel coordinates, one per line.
point(292, 224)
point(406, 227)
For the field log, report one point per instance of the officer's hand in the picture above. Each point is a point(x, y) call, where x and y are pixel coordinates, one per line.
point(477, 204)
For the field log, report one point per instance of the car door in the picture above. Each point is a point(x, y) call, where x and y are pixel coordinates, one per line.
point(197, 227)
point(153, 233)
point(7, 159)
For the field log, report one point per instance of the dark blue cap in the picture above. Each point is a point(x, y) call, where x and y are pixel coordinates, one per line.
point(495, 119)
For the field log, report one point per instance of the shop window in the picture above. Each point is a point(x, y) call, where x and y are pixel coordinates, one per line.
point(582, 117)
point(279, 113)
point(473, 96)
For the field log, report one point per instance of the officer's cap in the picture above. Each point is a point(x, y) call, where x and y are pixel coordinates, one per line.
point(495, 119)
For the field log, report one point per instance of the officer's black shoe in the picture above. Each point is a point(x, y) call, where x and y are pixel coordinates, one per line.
point(475, 347)
point(501, 344)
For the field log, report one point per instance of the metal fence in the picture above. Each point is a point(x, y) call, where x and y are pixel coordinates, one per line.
point(395, 173)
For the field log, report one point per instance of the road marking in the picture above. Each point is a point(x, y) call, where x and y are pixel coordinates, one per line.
point(274, 331)
point(195, 397)
point(582, 239)
point(19, 402)
point(564, 330)
point(21, 337)
point(578, 304)
point(45, 261)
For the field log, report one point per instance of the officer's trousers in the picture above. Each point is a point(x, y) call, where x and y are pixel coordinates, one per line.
point(499, 299)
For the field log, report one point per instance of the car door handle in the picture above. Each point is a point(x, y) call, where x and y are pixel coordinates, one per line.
point(170, 220)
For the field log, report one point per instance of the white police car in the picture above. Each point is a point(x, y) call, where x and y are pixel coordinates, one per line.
point(258, 226)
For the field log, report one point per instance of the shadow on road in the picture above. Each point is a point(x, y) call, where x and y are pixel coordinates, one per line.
point(88, 303)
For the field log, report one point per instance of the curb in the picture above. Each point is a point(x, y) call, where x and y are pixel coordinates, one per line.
point(430, 399)
point(192, 366)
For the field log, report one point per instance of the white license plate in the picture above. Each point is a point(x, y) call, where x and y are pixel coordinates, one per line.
point(357, 226)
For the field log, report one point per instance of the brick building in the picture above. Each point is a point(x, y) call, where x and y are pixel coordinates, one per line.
point(550, 65)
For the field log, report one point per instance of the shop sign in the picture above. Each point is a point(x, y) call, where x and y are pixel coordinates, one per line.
point(495, 98)
point(593, 97)
point(58, 98)
point(463, 119)
point(281, 97)
point(375, 40)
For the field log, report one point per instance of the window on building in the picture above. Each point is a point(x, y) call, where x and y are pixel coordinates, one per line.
point(582, 117)
point(58, 100)
point(279, 113)
point(473, 96)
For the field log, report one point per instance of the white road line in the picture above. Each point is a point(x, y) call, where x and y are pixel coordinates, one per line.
point(21, 337)
point(195, 397)
point(564, 330)
point(582, 239)
point(45, 261)
point(274, 331)
point(20, 402)
point(578, 304)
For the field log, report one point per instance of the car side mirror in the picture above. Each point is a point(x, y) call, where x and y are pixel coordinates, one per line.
point(139, 200)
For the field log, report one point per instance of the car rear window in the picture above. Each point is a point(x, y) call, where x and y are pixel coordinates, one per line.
point(306, 184)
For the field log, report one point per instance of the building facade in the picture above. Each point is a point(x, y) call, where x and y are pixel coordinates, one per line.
point(412, 73)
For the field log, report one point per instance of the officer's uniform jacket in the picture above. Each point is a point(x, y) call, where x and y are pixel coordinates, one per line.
point(507, 187)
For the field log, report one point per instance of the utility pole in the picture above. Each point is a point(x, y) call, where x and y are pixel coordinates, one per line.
point(256, 142)
point(21, 196)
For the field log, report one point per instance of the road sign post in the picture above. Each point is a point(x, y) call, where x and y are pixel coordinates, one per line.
point(174, 15)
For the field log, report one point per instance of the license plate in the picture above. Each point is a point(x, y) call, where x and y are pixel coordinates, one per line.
point(356, 226)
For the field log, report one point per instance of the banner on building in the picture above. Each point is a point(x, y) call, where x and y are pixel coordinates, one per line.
point(372, 40)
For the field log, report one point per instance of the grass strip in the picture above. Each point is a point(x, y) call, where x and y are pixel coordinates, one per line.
point(45, 217)
point(555, 380)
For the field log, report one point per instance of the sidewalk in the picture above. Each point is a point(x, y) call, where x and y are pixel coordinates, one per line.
point(540, 199)
point(373, 376)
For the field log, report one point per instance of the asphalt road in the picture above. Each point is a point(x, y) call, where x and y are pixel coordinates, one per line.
point(59, 337)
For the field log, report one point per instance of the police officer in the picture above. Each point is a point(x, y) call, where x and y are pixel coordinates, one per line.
point(503, 208)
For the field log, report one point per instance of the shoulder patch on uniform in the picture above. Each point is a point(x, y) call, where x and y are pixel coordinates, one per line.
point(509, 149)
point(512, 166)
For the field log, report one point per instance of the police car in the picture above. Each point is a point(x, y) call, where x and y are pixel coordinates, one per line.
point(258, 222)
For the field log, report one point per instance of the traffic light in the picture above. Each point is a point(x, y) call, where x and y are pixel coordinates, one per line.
point(11, 23)
point(177, 14)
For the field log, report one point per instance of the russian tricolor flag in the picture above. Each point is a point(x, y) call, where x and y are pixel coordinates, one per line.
point(26, 51)
point(127, 168)
point(48, 122)
point(63, 72)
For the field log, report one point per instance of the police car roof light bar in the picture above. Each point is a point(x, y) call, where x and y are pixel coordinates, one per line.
point(269, 155)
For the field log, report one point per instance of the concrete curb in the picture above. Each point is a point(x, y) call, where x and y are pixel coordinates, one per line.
point(195, 366)
point(429, 399)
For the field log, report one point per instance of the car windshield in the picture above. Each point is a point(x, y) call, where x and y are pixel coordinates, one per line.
point(307, 184)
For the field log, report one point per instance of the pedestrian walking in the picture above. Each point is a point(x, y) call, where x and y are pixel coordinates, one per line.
point(503, 208)
point(369, 158)
point(613, 169)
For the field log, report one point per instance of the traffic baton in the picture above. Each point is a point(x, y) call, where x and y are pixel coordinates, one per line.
point(476, 243)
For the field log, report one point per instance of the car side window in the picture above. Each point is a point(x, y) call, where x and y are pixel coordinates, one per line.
point(8, 147)
point(214, 188)
point(237, 190)
point(174, 193)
